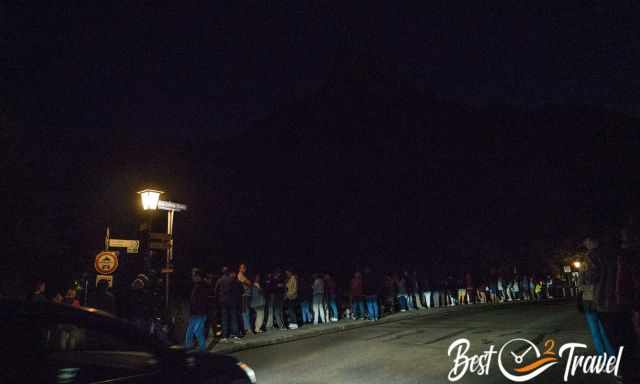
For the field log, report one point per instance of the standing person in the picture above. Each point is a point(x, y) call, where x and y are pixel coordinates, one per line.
point(549, 290)
point(318, 299)
point(278, 306)
point(515, 286)
point(267, 289)
point(139, 304)
point(370, 289)
point(524, 288)
point(273, 298)
point(401, 291)
point(532, 287)
point(244, 303)
point(586, 303)
point(500, 288)
point(103, 299)
point(468, 281)
point(538, 290)
point(331, 291)
point(224, 292)
point(305, 296)
point(509, 290)
point(410, 290)
point(37, 296)
point(436, 291)
point(198, 301)
point(427, 291)
point(257, 303)
point(70, 298)
point(417, 292)
point(211, 324)
point(493, 290)
point(388, 293)
point(613, 307)
point(462, 292)
point(291, 298)
point(357, 297)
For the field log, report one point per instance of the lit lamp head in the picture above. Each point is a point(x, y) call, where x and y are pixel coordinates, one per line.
point(150, 198)
point(577, 264)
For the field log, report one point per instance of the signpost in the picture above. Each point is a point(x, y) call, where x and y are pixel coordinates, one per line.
point(151, 200)
point(132, 245)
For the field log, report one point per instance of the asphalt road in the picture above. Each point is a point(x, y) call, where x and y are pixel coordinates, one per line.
point(415, 350)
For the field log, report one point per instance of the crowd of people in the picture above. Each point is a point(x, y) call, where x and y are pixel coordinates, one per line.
point(236, 304)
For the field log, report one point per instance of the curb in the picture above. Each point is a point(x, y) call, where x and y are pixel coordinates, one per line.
point(290, 336)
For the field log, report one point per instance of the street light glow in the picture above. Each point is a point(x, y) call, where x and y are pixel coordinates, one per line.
point(577, 264)
point(150, 198)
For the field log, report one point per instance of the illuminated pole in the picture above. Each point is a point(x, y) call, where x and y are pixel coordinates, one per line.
point(151, 200)
point(168, 258)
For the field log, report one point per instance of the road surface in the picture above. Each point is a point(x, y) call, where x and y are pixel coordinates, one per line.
point(415, 350)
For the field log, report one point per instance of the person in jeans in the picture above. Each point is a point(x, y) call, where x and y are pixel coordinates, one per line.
point(318, 299)
point(357, 297)
point(226, 292)
point(331, 294)
point(417, 291)
point(269, 288)
point(493, 290)
point(305, 296)
point(470, 290)
point(257, 303)
point(370, 288)
point(426, 291)
point(401, 292)
point(291, 298)
point(244, 303)
point(500, 289)
point(199, 308)
point(388, 293)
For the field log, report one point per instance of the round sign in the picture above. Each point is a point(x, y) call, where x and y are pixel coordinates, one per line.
point(106, 262)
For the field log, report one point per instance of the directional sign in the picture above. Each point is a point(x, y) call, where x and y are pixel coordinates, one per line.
point(106, 262)
point(131, 245)
point(171, 206)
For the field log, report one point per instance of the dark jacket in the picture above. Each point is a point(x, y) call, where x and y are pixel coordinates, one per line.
point(330, 287)
point(199, 300)
point(224, 290)
point(369, 284)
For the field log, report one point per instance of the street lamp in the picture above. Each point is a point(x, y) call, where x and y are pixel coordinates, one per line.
point(577, 264)
point(151, 200)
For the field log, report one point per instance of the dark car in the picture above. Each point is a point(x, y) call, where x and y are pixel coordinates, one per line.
point(55, 343)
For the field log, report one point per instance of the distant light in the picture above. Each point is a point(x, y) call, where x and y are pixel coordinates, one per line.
point(150, 198)
point(577, 264)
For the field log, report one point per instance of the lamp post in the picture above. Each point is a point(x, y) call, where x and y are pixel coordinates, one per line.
point(151, 200)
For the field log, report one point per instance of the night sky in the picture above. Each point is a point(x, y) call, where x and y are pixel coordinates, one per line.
point(317, 134)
